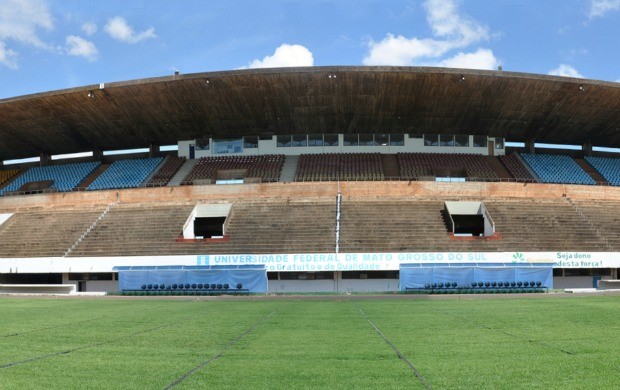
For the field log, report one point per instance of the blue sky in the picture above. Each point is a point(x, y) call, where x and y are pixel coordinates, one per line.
point(55, 44)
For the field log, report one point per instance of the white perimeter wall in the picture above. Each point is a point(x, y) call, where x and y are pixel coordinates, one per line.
point(341, 285)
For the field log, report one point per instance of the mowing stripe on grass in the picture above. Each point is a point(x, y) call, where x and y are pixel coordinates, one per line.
point(49, 327)
point(400, 354)
point(68, 351)
point(226, 347)
point(516, 336)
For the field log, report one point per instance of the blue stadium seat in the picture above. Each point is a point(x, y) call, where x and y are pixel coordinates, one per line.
point(557, 169)
point(126, 174)
point(66, 177)
point(608, 167)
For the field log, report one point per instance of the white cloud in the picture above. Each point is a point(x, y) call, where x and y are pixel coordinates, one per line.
point(80, 47)
point(444, 20)
point(565, 71)
point(119, 29)
point(285, 55)
point(20, 21)
point(480, 59)
point(7, 57)
point(89, 28)
point(398, 50)
point(598, 8)
point(451, 31)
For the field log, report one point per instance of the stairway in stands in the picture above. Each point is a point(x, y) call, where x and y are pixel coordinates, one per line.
point(390, 166)
point(182, 173)
point(590, 171)
point(288, 169)
point(499, 168)
point(94, 175)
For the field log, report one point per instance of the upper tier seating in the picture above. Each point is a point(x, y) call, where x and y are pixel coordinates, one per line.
point(515, 167)
point(125, 174)
point(267, 167)
point(65, 177)
point(416, 165)
point(349, 166)
point(166, 172)
point(557, 169)
point(608, 167)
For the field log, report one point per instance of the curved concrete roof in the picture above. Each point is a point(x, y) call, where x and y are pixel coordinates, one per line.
point(413, 100)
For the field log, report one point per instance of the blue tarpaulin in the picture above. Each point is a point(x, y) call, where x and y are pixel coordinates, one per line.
point(251, 277)
point(418, 275)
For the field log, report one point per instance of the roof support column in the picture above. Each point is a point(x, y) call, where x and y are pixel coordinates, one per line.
point(529, 146)
point(153, 150)
point(98, 155)
point(44, 159)
point(587, 148)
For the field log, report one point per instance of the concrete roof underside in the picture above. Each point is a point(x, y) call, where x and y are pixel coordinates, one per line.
point(160, 111)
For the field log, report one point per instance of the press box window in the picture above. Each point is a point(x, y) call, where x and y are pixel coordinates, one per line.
point(499, 143)
point(367, 140)
point(300, 140)
point(330, 139)
point(350, 140)
point(446, 140)
point(431, 140)
point(284, 141)
point(315, 139)
point(461, 140)
point(202, 144)
point(382, 139)
point(250, 142)
point(397, 140)
point(480, 141)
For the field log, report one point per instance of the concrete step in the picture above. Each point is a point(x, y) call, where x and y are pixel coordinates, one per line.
point(288, 169)
point(590, 171)
point(178, 178)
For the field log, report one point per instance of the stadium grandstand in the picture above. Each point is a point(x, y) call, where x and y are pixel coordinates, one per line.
point(322, 179)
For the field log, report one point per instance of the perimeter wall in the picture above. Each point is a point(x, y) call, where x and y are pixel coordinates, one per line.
point(378, 189)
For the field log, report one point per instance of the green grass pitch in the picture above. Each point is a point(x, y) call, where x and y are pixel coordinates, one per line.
point(287, 343)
